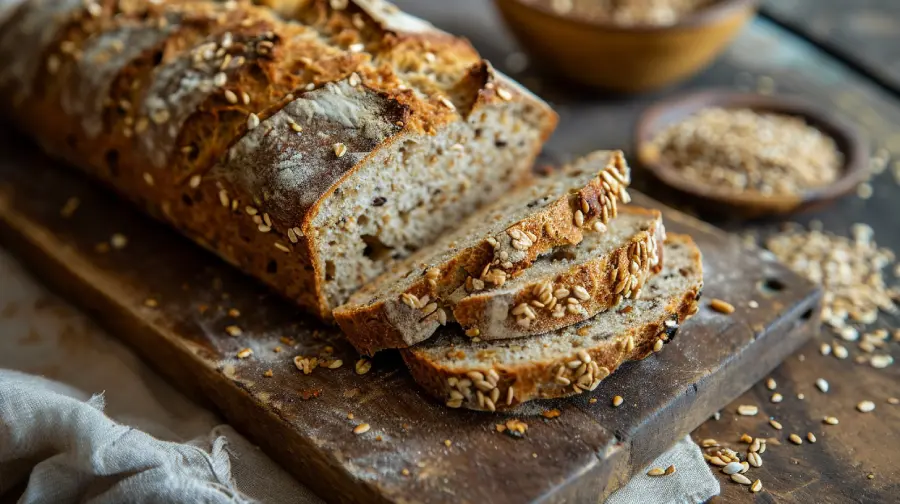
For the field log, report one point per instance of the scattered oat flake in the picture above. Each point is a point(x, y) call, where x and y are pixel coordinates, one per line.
point(68, 209)
point(747, 410)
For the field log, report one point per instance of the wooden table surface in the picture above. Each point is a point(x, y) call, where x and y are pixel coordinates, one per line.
point(857, 74)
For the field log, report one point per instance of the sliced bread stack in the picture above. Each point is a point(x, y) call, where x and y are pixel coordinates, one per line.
point(542, 294)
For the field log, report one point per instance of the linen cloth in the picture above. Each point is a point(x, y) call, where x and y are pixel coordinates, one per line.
point(139, 440)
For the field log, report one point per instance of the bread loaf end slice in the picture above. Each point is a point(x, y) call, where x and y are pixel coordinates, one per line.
point(407, 304)
point(572, 283)
point(497, 375)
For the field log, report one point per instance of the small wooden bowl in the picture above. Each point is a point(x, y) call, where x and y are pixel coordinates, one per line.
point(852, 145)
point(626, 59)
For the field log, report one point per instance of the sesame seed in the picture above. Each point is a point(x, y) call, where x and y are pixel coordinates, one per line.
point(282, 247)
point(223, 198)
point(339, 149)
point(721, 306)
point(504, 94)
point(830, 420)
point(194, 181)
point(617, 401)
point(230, 97)
point(822, 385)
point(447, 103)
point(777, 398)
point(775, 424)
point(865, 406)
point(825, 349)
point(811, 437)
point(252, 121)
point(770, 384)
point(362, 429)
point(795, 439)
point(245, 97)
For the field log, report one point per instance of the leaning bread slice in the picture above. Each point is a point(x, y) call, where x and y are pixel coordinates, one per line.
point(407, 304)
point(494, 375)
point(572, 283)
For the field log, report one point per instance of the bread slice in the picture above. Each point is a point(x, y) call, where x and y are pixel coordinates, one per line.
point(572, 283)
point(500, 374)
point(406, 305)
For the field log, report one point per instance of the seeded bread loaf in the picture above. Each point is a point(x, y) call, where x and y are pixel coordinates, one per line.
point(311, 148)
point(496, 375)
point(407, 304)
point(572, 283)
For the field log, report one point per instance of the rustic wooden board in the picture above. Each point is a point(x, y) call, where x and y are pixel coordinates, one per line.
point(302, 421)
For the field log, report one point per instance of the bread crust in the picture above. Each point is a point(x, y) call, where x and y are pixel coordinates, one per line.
point(541, 380)
point(584, 290)
point(167, 91)
point(403, 321)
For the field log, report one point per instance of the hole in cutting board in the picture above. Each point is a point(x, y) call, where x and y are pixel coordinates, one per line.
point(771, 286)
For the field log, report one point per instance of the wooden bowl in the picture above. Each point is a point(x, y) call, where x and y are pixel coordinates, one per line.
point(852, 145)
point(626, 59)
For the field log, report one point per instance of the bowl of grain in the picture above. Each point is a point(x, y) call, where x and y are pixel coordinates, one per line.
point(625, 45)
point(753, 154)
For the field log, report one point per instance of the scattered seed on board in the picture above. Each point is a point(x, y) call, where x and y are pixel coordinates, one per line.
point(777, 398)
point(658, 345)
point(721, 306)
point(617, 401)
point(747, 410)
point(775, 424)
point(361, 428)
point(709, 442)
point(865, 406)
point(244, 353)
point(754, 459)
point(740, 478)
point(746, 438)
point(656, 471)
point(770, 384)
point(810, 437)
point(732, 468)
point(822, 385)
point(893, 400)
point(756, 486)
point(363, 366)
point(830, 420)
point(670, 470)
point(795, 439)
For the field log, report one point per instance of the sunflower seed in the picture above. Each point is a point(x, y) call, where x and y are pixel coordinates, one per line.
point(754, 459)
point(740, 478)
point(732, 468)
point(656, 471)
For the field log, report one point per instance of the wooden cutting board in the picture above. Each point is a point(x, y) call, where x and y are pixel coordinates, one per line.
point(306, 422)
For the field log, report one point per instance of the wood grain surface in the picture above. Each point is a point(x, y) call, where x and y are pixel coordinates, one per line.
point(307, 422)
point(865, 33)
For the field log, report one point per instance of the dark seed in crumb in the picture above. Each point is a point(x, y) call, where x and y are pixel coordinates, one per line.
point(380, 200)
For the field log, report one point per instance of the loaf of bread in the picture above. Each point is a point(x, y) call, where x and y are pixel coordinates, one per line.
point(571, 284)
point(496, 375)
point(407, 304)
point(311, 144)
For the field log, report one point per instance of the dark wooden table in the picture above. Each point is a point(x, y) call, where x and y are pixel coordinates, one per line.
point(841, 54)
